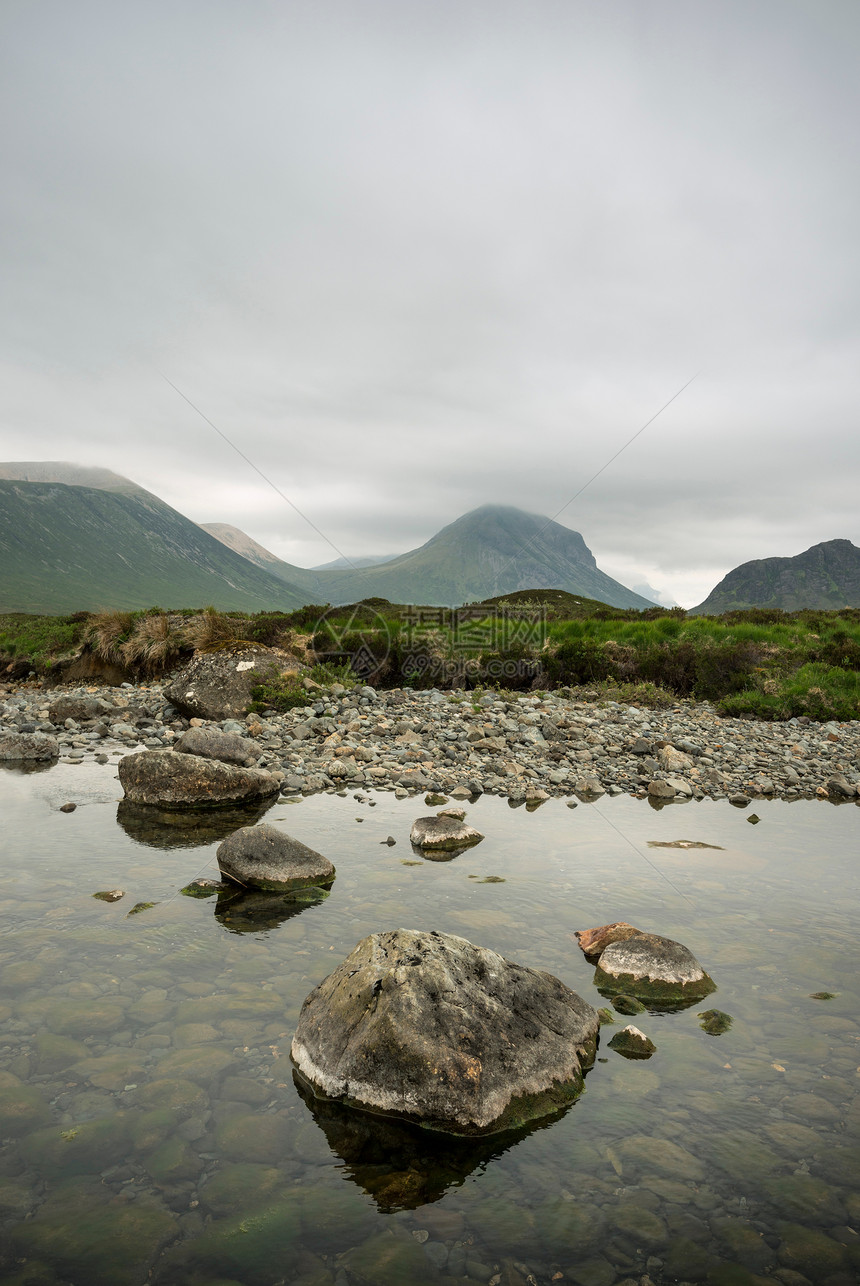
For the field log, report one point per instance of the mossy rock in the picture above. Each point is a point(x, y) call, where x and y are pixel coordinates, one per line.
point(240, 1187)
point(93, 1238)
point(253, 1246)
point(715, 1022)
point(84, 1148)
point(22, 1109)
point(390, 1259)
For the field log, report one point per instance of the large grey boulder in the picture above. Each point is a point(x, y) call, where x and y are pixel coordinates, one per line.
point(229, 747)
point(430, 1028)
point(262, 857)
point(28, 745)
point(652, 969)
point(445, 833)
point(217, 685)
point(165, 778)
point(78, 708)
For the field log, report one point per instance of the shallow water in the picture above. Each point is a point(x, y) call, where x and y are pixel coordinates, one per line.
point(151, 1122)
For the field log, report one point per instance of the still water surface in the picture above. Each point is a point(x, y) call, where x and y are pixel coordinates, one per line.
point(152, 1130)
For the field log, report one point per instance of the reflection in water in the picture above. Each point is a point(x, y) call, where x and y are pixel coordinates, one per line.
point(185, 828)
point(675, 1005)
point(401, 1165)
point(259, 910)
point(26, 766)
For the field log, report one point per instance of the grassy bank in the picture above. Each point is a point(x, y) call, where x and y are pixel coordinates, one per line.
point(764, 664)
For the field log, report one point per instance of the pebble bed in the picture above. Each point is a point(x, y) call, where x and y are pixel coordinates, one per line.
point(527, 747)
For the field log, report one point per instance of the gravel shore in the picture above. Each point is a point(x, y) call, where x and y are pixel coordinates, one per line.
point(525, 747)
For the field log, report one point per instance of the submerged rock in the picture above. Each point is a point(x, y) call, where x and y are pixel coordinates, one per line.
point(429, 1027)
point(445, 832)
point(165, 778)
point(652, 968)
point(715, 1021)
point(262, 857)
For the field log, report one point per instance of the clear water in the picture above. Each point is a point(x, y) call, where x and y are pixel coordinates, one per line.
point(152, 1130)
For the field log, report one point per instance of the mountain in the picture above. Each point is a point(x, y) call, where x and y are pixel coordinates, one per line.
point(66, 547)
point(827, 576)
point(361, 560)
point(73, 538)
point(492, 550)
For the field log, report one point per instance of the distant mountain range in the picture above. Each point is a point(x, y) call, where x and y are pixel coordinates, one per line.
point(826, 576)
point(110, 544)
point(74, 538)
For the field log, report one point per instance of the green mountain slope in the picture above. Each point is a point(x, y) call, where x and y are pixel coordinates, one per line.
point(492, 550)
point(826, 576)
point(65, 548)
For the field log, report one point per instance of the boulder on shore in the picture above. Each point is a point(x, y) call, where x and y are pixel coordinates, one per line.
point(217, 685)
point(211, 743)
point(430, 1028)
point(28, 745)
point(163, 777)
point(263, 857)
point(653, 969)
point(445, 833)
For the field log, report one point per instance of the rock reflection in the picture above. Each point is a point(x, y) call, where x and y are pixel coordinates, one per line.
point(26, 766)
point(398, 1164)
point(260, 910)
point(185, 828)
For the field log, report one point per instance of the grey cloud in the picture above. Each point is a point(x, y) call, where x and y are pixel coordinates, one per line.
point(415, 258)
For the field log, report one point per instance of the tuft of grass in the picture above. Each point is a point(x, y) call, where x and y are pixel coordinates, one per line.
point(211, 629)
point(106, 633)
point(156, 642)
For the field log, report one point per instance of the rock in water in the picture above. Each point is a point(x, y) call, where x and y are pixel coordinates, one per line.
point(28, 745)
point(229, 747)
point(593, 941)
point(428, 1027)
point(164, 777)
point(262, 857)
point(632, 1043)
point(445, 832)
point(653, 969)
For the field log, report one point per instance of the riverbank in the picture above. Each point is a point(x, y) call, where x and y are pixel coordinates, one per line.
point(525, 747)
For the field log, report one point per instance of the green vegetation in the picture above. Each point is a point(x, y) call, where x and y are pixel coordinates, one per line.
point(761, 663)
point(39, 639)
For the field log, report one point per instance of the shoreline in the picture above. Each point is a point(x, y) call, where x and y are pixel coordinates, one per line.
point(526, 747)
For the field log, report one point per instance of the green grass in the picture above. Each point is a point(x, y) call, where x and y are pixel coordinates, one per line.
point(40, 639)
point(770, 665)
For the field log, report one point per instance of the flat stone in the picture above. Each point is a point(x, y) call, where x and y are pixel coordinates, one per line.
point(443, 832)
point(229, 747)
point(165, 778)
point(651, 967)
point(28, 745)
point(263, 857)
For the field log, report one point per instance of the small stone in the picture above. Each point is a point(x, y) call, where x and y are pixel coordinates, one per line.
point(753, 819)
point(68, 808)
point(110, 895)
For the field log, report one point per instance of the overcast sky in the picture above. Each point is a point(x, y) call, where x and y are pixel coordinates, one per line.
point(414, 257)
